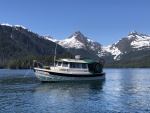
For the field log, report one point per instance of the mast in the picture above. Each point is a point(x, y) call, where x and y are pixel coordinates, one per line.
point(55, 54)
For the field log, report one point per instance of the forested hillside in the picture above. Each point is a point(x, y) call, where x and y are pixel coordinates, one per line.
point(20, 46)
point(137, 62)
point(17, 43)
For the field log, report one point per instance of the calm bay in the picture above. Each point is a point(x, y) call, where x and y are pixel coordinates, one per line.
point(123, 90)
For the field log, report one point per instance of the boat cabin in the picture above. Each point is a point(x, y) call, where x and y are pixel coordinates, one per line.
point(70, 63)
point(74, 64)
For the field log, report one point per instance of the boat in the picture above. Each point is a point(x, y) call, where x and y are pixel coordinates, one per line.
point(67, 69)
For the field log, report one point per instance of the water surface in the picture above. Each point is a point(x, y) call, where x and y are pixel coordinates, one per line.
point(123, 90)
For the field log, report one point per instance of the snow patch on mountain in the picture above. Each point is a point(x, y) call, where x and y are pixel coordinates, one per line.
point(141, 41)
point(6, 24)
point(71, 43)
point(17, 26)
point(20, 26)
point(48, 37)
point(89, 40)
point(113, 50)
point(132, 35)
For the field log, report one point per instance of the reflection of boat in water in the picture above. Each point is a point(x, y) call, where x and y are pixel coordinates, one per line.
point(66, 97)
point(70, 86)
point(70, 70)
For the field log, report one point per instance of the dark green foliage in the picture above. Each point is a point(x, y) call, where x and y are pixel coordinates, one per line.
point(136, 62)
point(27, 62)
point(17, 44)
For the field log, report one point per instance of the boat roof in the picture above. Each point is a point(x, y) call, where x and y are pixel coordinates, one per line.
point(76, 60)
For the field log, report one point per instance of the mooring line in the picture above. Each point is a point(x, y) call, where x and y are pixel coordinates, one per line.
point(25, 75)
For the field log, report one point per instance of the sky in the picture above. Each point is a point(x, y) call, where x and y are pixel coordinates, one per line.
point(104, 21)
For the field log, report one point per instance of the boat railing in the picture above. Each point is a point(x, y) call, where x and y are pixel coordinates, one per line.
point(43, 65)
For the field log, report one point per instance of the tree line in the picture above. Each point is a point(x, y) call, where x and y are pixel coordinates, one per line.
point(27, 62)
point(138, 62)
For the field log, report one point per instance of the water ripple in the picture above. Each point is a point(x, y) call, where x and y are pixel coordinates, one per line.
point(124, 90)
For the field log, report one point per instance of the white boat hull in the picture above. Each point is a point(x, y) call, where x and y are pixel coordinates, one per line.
point(47, 76)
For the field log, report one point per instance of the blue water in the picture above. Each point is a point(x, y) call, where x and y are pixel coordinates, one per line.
point(123, 90)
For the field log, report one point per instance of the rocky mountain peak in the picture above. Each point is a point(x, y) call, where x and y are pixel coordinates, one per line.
point(133, 33)
point(78, 33)
point(79, 36)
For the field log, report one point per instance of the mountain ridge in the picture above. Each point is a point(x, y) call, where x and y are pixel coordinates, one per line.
point(132, 46)
point(132, 42)
point(18, 43)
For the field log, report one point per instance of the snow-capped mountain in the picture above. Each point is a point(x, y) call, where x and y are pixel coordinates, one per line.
point(73, 42)
point(139, 41)
point(77, 43)
point(78, 40)
point(132, 43)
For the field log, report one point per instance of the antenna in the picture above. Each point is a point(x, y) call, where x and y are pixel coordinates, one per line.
point(55, 54)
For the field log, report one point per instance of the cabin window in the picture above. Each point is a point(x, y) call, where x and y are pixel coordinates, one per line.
point(59, 63)
point(84, 66)
point(75, 65)
point(65, 64)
